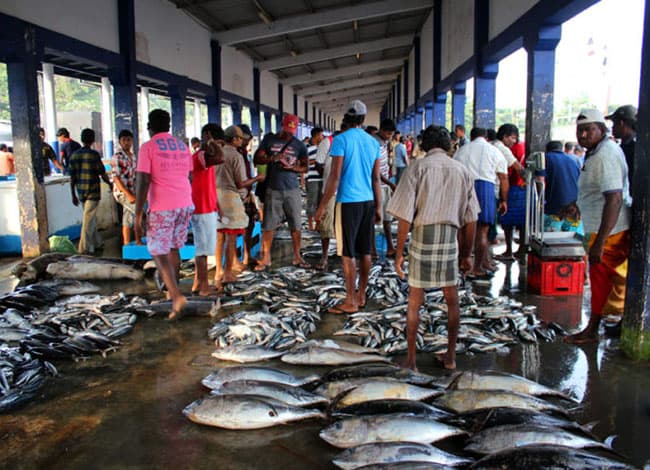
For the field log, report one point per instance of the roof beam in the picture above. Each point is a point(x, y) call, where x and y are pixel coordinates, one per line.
point(343, 95)
point(335, 52)
point(318, 19)
point(342, 107)
point(359, 82)
point(344, 71)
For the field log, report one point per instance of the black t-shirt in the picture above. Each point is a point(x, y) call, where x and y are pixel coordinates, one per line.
point(628, 150)
point(277, 177)
point(66, 149)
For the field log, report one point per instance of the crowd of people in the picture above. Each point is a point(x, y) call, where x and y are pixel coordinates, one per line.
point(448, 192)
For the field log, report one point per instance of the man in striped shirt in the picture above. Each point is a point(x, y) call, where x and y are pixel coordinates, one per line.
point(314, 176)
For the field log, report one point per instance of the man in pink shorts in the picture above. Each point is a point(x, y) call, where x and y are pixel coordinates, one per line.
point(163, 179)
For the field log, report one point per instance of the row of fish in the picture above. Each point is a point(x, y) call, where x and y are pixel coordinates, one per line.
point(486, 324)
point(380, 418)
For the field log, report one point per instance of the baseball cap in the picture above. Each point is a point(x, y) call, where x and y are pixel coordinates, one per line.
point(627, 113)
point(357, 108)
point(232, 132)
point(246, 131)
point(290, 123)
point(587, 116)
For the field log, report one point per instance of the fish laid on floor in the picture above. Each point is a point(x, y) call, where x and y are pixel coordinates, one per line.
point(386, 370)
point(462, 401)
point(382, 389)
point(21, 377)
point(267, 374)
point(394, 452)
point(315, 355)
point(294, 396)
point(351, 432)
point(245, 353)
point(492, 380)
point(506, 437)
point(379, 407)
point(245, 412)
point(547, 456)
point(93, 270)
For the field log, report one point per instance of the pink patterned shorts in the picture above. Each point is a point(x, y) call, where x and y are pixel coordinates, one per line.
point(167, 230)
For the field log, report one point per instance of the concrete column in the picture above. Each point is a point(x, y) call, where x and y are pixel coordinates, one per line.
point(255, 108)
point(485, 97)
point(107, 128)
point(177, 95)
point(267, 121)
point(416, 69)
point(214, 102)
point(320, 118)
point(25, 123)
point(428, 113)
point(236, 113)
point(540, 47)
point(635, 334)
point(406, 84)
point(278, 119)
point(440, 109)
point(49, 105)
point(125, 98)
point(197, 118)
point(458, 104)
point(418, 120)
point(295, 104)
point(144, 112)
point(398, 104)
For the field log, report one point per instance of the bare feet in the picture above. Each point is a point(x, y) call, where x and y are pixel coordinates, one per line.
point(228, 278)
point(262, 266)
point(361, 299)
point(447, 360)
point(410, 364)
point(177, 307)
point(343, 308)
point(584, 337)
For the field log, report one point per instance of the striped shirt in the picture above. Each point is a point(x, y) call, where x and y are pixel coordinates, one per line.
point(86, 167)
point(384, 167)
point(312, 172)
point(435, 190)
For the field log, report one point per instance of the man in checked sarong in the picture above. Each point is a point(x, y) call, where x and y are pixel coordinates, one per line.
point(436, 197)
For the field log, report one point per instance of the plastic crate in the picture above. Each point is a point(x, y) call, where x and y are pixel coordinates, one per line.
point(555, 277)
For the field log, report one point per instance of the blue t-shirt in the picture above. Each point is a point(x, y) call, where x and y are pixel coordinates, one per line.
point(359, 151)
point(277, 177)
point(400, 155)
point(562, 173)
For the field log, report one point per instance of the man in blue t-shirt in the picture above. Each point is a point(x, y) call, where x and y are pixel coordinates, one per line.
point(562, 173)
point(355, 179)
point(286, 158)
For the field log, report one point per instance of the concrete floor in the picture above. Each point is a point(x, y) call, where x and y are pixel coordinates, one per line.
point(125, 410)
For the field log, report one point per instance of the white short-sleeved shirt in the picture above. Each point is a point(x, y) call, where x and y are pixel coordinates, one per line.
point(482, 159)
point(506, 152)
point(605, 171)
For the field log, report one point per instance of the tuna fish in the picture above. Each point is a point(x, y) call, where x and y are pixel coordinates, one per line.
point(245, 353)
point(462, 401)
point(315, 355)
point(245, 412)
point(394, 452)
point(351, 432)
point(379, 407)
point(294, 396)
point(383, 389)
point(93, 270)
point(266, 374)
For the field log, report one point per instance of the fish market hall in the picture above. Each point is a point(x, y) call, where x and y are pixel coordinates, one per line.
point(311, 234)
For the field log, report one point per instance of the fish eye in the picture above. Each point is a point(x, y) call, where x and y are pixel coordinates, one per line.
point(272, 414)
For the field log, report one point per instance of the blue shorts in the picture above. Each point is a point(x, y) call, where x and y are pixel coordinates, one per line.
point(485, 195)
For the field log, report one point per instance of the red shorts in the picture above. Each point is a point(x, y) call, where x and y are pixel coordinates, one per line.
point(167, 230)
point(232, 231)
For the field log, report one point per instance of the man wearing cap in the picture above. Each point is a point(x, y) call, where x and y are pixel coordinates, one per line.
point(355, 179)
point(232, 187)
point(67, 147)
point(603, 201)
point(286, 157)
point(624, 128)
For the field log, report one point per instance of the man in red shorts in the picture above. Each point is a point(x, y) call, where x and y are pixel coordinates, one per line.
point(163, 179)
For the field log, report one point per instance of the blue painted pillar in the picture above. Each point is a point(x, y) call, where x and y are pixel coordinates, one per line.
point(255, 108)
point(123, 78)
point(406, 84)
point(428, 113)
point(306, 113)
point(214, 101)
point(235, 106)
point(320, 118)
point(485, 96)
point(25, 122)
point(418, 120)
point(177, 96)
point(416, 69)
point(295, 104)
point(313, 115)
point(267, 121)
point(458, 104)
point(440, 109)
point(278, 119)
point(540, 47)
point(635, 334)
point(398, 110)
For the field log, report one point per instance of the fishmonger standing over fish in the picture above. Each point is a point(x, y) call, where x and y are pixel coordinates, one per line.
point(436, 195)
point(163, 179)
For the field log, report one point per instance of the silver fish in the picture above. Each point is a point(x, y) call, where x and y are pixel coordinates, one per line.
point(266, 374)
point(393, 452)
point(382, 389)
point(294, 396)
point(245, 353)
point(245, 412)
point(324, 356)
point(462, 401)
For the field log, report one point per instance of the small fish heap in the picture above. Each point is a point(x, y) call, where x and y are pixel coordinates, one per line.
point(486, 324)
point(21, 377)
point(380, 418)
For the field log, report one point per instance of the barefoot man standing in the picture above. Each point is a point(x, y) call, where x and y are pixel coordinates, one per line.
point(436, 195)
point(163, 179)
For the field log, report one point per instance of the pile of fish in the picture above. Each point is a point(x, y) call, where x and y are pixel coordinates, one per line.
point(21, 377)
point(486, 324)
point(389, 417)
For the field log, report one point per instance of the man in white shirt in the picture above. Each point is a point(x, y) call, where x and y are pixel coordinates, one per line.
point(486, 164)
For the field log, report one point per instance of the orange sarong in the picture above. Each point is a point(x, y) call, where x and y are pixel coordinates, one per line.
point(608, 277)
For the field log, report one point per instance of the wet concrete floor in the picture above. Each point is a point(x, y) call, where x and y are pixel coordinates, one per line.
point(125, 410)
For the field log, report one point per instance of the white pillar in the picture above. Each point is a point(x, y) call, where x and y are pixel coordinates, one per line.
point(144, 114)
point(197, 118)
point(49, 103)
point(107, 125)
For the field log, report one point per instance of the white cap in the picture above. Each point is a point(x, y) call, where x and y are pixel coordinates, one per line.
point(587, 116)
point(357, 108)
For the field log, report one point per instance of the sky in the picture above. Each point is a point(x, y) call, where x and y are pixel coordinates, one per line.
point(615, 28)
